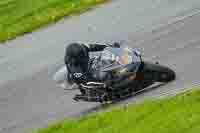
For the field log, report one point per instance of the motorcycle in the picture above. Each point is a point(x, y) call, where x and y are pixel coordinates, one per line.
point(127, 63)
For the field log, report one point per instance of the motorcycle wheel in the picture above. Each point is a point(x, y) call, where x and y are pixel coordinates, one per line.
point(158, 73)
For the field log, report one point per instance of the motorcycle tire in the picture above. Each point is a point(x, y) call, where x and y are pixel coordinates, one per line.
point(158, 73)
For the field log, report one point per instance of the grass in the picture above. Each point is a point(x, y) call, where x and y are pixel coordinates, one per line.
point(179, 114)
point(21, 16)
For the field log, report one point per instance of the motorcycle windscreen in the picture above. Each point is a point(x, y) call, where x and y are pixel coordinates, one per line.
point(116, 58)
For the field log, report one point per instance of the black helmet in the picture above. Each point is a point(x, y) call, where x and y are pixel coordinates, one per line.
point(76, 58)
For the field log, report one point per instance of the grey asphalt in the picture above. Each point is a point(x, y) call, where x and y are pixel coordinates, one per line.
point(166, 31)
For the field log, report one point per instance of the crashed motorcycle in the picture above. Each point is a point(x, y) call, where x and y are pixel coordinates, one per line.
point(127, 67)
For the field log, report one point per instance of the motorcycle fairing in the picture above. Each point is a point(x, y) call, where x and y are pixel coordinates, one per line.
point(119, 59)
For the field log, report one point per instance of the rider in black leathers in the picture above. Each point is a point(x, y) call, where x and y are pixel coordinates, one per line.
point(77, 59)
point(77, 62)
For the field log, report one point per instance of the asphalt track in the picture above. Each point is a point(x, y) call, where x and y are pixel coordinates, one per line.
point(165, 31)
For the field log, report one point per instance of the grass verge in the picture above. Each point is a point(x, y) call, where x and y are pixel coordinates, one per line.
point(21, 16)
point(179, 114)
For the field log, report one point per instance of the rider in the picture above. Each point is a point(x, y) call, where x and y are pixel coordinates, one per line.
point(77, 62)
point(77, 59)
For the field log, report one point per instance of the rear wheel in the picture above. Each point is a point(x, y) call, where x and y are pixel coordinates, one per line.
point(158, 73)
point(166, 76)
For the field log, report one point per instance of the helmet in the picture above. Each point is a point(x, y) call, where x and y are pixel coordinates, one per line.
point(76, 58)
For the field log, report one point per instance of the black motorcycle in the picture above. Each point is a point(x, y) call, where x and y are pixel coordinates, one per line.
point(127, 65)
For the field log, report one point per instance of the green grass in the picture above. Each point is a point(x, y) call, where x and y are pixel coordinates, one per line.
point(179, 114)
point(21, 16)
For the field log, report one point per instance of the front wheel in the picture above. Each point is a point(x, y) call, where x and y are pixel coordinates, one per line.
point(158, 72)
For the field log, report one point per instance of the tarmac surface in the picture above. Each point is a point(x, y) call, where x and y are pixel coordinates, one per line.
point(165, 31)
